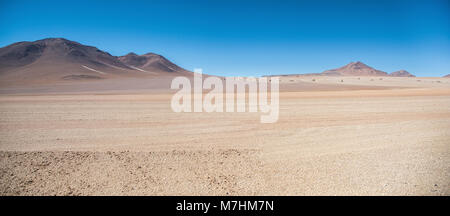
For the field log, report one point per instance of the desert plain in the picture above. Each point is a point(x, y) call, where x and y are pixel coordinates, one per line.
point(335, 136)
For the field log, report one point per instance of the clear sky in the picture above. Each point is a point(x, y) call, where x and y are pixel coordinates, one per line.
point(252, 38)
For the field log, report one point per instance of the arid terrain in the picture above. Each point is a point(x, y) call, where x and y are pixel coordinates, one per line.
point(362, 136)
point(75, 120)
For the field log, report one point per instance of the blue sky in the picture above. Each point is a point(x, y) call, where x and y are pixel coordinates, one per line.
point(248, 38)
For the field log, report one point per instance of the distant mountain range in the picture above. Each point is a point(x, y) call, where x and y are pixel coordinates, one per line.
point(62, 59)
point(355, 69)
point(359, 69)
point(401, 73)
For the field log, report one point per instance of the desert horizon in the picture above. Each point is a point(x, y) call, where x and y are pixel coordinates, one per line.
point(354, 131)
point(245, 100)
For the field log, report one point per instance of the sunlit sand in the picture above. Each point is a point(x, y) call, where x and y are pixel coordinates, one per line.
point(334, 136)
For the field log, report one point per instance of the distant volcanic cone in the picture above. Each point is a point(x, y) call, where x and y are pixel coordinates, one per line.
point(354, 69)
point(401, 73)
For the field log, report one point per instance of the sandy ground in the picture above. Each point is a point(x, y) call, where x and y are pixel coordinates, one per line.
point(358, 138)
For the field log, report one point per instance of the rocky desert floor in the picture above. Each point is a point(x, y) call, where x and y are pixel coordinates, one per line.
point(334, 136)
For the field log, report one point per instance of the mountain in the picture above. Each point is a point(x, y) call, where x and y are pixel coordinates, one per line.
point(354, 69)
point(62, 59)
point(149, 62)
point(447, 76)
point(401, 73)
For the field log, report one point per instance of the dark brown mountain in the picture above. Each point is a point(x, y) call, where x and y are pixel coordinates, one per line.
point(354, 69)
point(150, 62)
point(401, 73)
point(62, 59)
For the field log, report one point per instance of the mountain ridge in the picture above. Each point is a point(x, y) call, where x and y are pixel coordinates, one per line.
point(355, 69)
point(401, 73)
point(63, 59)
